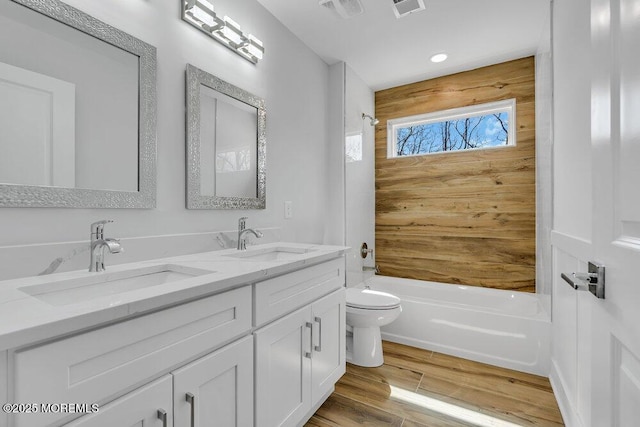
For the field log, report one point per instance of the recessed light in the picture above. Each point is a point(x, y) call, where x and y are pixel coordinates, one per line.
point(439, 57)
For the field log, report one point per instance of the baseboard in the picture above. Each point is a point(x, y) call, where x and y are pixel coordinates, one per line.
point(569, 415)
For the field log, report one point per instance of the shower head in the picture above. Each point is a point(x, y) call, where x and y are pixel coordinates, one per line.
point(372, 120)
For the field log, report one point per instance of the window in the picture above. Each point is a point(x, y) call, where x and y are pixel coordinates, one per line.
point(233, 161)
point(468, 128)
point(353, 147)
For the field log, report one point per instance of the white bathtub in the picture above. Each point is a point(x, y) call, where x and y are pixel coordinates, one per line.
point(502, 328)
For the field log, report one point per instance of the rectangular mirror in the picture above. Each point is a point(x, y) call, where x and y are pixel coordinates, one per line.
point(226, 145)
point(77, 110)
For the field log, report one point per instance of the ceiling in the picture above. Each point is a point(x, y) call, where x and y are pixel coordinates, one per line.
point(386, 51)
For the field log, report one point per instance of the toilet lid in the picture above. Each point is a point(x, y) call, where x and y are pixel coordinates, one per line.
point(368, 298)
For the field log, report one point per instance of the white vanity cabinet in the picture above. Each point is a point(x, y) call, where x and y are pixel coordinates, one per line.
point(150, 405)
point(329, 351)
point(216, 390)
point(299, 358)
point(103, 364)
point(263, 353)
point(283, 367)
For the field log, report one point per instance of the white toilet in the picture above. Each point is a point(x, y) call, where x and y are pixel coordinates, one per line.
point(367, 310)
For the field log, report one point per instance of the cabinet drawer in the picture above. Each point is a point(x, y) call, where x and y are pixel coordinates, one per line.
point(138, 408)
point(280, 295)
point(92, 367)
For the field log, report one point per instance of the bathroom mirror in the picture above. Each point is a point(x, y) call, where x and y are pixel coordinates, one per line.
point(226, 145)
point(77, 110)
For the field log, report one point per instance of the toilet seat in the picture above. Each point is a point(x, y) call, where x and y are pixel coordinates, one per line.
point(371, 300)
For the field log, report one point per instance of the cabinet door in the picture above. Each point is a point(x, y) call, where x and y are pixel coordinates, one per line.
point(216, 390)
point(328, 363)
point(141, 407)
point(283, 370)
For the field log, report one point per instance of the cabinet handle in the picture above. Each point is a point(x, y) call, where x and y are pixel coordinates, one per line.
point(307, 354)
point(318, 320)
point(162, 416)
point(192, 401)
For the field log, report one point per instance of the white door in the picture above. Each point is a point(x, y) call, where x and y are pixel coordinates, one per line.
point(283, 370)
point(328, 362)
point(615, 139)
point(217, 389)
point(150, 406)
point(37, 128)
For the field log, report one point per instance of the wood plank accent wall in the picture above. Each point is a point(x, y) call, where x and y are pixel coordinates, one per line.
point(464, 217)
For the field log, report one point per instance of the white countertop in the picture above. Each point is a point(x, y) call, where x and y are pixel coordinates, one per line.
point(25, 319)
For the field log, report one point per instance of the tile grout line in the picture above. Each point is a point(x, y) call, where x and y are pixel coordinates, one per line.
point(419, 383)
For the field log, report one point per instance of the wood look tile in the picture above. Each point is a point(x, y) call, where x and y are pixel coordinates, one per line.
point(381, 396)
point(436, 422)
point(417, 227)
point(388, 374)
point(316, 421)
point(420, 388)
point(498, 407)
point(423, 360)
point(344, 412)
point(452, 382)
point(530, 380)
point(406, 357)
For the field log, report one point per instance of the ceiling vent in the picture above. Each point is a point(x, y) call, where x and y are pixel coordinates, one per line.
point(405, 7)
point(345, 8)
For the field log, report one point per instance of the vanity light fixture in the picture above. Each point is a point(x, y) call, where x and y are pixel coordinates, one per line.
point(201, 15)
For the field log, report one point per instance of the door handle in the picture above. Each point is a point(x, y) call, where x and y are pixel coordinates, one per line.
point(318, 320)
point(593, 281)
point(189, 397)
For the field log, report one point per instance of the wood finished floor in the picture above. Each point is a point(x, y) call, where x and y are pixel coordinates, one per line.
point(420, 388)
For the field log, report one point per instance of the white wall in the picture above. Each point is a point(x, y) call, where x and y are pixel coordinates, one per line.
point(544, 164)
point(572, 106)
point(292, 80)
point(335, 234)
point(572, 205)
point(360, 176)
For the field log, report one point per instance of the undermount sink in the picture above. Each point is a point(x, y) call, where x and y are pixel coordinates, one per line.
point(278, 253)
point(73, 291)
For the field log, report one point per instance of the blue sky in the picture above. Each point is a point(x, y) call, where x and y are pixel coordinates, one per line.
point(478, 132)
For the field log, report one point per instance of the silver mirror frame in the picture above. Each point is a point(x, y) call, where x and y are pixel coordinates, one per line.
point(40, 196)
point(195, 199)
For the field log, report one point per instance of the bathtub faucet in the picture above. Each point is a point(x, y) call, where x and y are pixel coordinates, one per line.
point(375, 269)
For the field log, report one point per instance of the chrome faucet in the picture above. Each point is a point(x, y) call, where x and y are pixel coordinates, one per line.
point(242, 230)
point(99, 245)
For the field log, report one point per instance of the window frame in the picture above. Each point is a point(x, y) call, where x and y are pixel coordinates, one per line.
point(507, 105)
